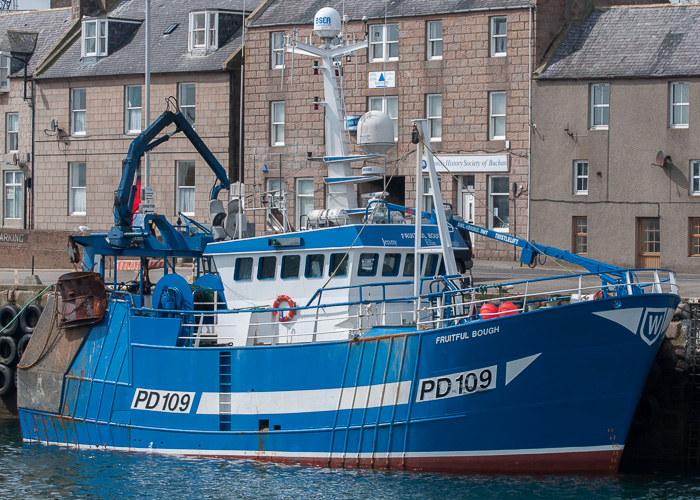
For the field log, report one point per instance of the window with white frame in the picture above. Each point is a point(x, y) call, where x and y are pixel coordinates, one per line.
point(433, 111)
point(186, 99)
point(12, 132)
point(499, 203)
point(133, 109)
point(277, 123)
point(78, 111)
point(94, 38)
point(600, 106)
point(383, 42)
point(428, 205)
point(304, 201)
point(277, 48)
point(204, 31)
point(695, 177)
point(273, 197)
point(497, 116)
point(13, 181)
point(580, 177)
point(498, 36)
point(679, 101)
point(388, 105)
point(434, 37)
point(77, 188)
point(185, 188)
point(4, 74)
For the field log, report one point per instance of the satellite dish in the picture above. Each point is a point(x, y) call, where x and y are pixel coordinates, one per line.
point(53, 125)
point(660, 156)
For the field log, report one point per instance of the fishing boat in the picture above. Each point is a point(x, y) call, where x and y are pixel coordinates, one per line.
point(359, 342)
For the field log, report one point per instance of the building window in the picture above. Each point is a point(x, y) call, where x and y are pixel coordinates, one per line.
point(77, 186)
point(94, 38)
point(433, 107)
point(499, 203)
point(389, 106)
point(498, 36)
point(581, 235)
point(13, 194)
point(203, 31)
point(185, 188)
point(133, 109)
point(4, 74)
point(273, 198)
point(695, 177)
point(186, 99)
point(695, 236)
point(428, 205)
point(277, 48)
point(383, 42)
point(434, 37)
point(277, 121)
point(78, 111)
point(679, 99)
point(497, 116)
point(12, 132)
point(600, 106)
point(304, 201)
point(580, 177)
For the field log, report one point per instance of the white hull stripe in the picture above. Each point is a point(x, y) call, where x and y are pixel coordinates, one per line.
point(315, 400)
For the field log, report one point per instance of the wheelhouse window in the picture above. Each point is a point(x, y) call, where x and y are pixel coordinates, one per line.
point(600, 106)
point(384, 42)
point(185, 187)
point(78, 112)
point(434, 37)
point(679, 104)
point(388, 105)
point(368, 264)
point(133, 109)
point(580, 177)
point(77, 188)
point(186, 100)
point(290, 266)
point(391, 264)
point(12, 132)
point(4, 74)
point(580, 235)
point(94, 38)
point(243, 269)
point(499, 217)
point(695, 236)
point(498, 36)
point(277, 123)
point(339, 264)
point(314, 265)
point(266, 267)
point(433, 104)
point(277, 48)
point(409, 265)
point(695, 177)
point(203, 32)
point(13, 180)
point(497, 116)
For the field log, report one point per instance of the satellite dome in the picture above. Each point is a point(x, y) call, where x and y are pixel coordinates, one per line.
point(327, 23)
point(375, 132)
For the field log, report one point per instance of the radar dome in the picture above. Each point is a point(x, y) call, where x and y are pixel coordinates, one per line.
point(327, 23)
point(375, 132)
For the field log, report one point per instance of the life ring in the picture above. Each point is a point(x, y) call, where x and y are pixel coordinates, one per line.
point(283, 316)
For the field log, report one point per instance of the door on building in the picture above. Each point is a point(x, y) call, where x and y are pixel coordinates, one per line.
point(648, 242)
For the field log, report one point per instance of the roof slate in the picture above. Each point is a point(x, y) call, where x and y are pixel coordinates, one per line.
point(623, 42)
point(285, 12)
point(168, 53)
point(33, 31)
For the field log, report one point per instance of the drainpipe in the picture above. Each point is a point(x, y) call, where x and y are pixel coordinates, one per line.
point(529, 118)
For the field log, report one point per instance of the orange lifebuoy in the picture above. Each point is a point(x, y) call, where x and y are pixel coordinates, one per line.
point(286, 315)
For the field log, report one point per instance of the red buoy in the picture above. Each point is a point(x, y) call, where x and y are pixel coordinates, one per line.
point(488, 311)
point(507, 308)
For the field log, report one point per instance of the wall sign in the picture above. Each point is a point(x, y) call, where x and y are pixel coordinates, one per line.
point(471, 163)
point(382, 79)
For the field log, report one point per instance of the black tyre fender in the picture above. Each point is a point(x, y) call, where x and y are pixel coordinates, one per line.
point(7, 314)
point(647, 414)
point(8, 349)
point(22, 345)
point(30, 317)
point(7, 380)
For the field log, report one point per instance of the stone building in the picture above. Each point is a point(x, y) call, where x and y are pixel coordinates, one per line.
point(615, 151)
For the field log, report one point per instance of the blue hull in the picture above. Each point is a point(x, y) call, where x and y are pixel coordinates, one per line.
point(551, 389)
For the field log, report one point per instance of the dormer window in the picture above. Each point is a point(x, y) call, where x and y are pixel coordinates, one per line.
point(204, 28)
point(94, 38)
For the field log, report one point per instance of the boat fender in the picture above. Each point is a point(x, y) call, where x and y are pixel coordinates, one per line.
point(507, 308)
point(7, 380)
point(647, 414)
point(488, 311)
point(29, 317)
point(283, 316)
point(22, 345)
point(8, 349)
point(7, 314)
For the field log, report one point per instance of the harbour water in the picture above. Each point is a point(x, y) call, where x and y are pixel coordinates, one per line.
point(39, 472)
